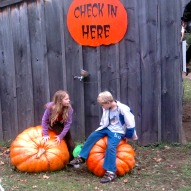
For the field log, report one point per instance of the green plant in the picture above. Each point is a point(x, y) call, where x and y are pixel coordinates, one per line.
point(5, 143)
point(187, 169)
point(187, 90)
point(188, 38)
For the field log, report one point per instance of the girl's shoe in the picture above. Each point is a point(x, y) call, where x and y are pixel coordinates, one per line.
point(77, 160)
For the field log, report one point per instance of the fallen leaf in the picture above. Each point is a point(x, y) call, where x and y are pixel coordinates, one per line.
point(125, 181)
point(7, 151)
point(167, 147)
point(157, 159)
point(1, 163)
point(46, 177)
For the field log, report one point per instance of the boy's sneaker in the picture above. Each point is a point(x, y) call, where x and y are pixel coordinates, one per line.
point(77, 160)
point(108, 177)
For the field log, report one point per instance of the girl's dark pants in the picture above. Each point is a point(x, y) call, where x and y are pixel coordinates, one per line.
point(57, 128)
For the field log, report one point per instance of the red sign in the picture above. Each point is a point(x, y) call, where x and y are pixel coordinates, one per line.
point(97, 22)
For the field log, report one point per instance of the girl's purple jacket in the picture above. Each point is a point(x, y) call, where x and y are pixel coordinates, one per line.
point(46, 122)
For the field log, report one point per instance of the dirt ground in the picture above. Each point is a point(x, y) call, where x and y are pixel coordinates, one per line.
point(186, 119)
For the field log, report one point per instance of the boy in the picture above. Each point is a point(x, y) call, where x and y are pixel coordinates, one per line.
point(116, 123)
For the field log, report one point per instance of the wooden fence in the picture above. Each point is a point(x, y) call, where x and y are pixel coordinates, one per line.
point(144, 70)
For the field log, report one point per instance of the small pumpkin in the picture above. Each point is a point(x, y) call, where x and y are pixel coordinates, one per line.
point(29, 153)
point(124, 159)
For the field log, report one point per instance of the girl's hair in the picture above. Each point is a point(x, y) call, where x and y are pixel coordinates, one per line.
point(57, 108)
point(104, 97)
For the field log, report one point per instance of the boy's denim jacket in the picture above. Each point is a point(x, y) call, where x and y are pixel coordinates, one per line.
point(128, 118)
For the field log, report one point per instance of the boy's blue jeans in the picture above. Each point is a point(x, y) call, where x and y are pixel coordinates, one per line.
point(110, 156)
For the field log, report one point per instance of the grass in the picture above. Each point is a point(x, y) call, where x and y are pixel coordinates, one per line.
point(158, 167)
point(187, 90)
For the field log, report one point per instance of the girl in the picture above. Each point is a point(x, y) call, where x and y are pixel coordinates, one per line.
point(58, 117)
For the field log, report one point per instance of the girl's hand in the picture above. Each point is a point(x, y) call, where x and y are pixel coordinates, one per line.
point(45, 138)
point(57, 140)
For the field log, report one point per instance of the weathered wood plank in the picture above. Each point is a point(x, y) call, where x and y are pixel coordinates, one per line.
point(21, 46)
point(130, 78)
point(181, 5)
point(62, 29)
point(74, 63)
point(4, 3)
point(170, 72)
point(91, 62)
point(150, 82)
point(7, 79)
point(1, 123)
point(117, 60)
point(99, 78)
point(178, 75)
point(54, 47)
point(40, 74)
point(108, 69)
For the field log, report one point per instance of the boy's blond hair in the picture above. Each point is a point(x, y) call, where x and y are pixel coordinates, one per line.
point(104, 97)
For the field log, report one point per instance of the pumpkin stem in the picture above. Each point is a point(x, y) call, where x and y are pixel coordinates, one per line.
point(41, 151)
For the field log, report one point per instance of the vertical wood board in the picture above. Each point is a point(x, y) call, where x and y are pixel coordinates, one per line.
point(21, 46)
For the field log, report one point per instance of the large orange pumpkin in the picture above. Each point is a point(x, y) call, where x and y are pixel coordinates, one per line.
point(124, 161)
point(29, 153)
